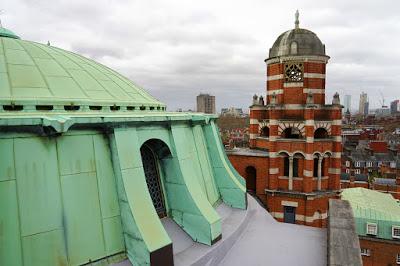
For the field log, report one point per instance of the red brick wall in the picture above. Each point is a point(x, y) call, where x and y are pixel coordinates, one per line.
point(261, 164)
point(312, 67)
point(383, 253)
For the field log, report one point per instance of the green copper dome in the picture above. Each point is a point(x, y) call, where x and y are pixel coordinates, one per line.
point(38, 77)
point(7, 33)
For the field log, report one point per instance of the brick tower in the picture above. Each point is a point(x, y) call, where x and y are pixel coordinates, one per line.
point(293, 164)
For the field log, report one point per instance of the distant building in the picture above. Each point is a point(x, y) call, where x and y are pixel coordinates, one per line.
point(384, 111)
point(377, 219)
point(206, 103)
point(363, 104)
point(180, 110)
point(232, 111)
point(347, 103)
point(395, 107)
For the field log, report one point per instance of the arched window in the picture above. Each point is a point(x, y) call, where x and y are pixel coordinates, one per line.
point(291, 133)
point(286, 166)
point(293, 48)
point(315, 172)
point(153, 152)
point(251, 174)
point(264, 132)
point(295, 167)
point(320, 133)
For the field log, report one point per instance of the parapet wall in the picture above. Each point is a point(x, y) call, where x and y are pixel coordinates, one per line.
point(343, 244)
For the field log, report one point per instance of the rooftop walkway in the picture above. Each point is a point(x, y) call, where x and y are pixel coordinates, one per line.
point(250, 237)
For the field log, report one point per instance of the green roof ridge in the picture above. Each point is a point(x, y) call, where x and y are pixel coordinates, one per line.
point(7, 33)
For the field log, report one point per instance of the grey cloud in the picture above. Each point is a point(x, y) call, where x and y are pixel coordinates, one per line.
point(176, 49)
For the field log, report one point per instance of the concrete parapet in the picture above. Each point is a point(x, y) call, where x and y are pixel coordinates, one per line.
point(343, 244)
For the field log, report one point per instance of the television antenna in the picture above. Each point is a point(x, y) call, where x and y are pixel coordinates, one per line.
point(383, 99)
point(1, 13)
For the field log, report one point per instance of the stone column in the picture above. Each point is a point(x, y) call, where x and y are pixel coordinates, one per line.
point(290, 172)
point(320, 172)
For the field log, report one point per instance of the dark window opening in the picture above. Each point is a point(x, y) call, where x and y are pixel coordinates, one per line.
point(95, 107)
point(158, 107)
point(315, 174)
point(286, 166)
point(115, 108)
point(142, 108)
point(251, 174)
point(295, 167)
point(321, 133)
point(130, 108)
point(44, 107)
point(265, 132)
point(151, 108)
point(13, 107)
point(291, 133)
point(71, 107)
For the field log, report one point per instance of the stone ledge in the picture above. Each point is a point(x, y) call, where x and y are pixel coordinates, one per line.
point(343, 244)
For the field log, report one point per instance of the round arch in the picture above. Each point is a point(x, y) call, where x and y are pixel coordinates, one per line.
point(152, 152)
point(251, 178)
point(321, 133)
point(291, 133)
point(264, 132)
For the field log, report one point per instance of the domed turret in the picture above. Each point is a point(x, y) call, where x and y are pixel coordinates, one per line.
point(297, 41)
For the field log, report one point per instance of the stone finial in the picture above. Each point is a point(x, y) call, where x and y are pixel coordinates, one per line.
point(261, 100)
point(336, 99)
point(255, 99)
point(273, 99)
point(310, 98)
point(296, 22)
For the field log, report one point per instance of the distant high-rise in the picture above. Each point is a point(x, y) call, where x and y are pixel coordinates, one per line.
point(347, 103)
point(395, 107)
point(363, 105)
point(206, 103)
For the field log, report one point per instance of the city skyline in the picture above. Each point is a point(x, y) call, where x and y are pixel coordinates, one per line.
point(177, 50)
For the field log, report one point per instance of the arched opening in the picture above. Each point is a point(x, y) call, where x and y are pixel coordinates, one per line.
point(152, 151)
point(315, 172)
point(295, 167)
point(297, 164)
point(286, 165)
point(264, 132)
point(251, 174)
point(321, 133)
point(291, 133)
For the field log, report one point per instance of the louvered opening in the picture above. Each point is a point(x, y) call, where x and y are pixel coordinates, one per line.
point(71, 107)
point(13, 107)
point(95, 107)
point(44, 107)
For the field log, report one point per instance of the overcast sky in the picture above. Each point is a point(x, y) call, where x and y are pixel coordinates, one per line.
point(177, 49)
